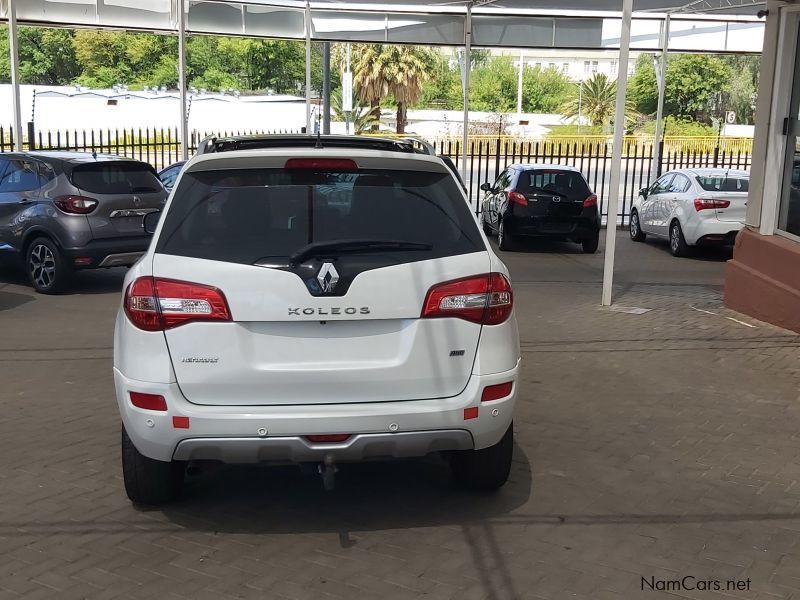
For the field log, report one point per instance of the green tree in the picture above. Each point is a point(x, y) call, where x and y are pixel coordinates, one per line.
point(544, 91)
point(362, 118)
point(46, 56)
point(443, 90)
point(596, 100)
point(643, 86)
point(493, 87)
point(409, 67)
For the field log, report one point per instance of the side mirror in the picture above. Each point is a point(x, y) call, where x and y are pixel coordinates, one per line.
point(643, 192)
point(150, 222)
point(486, 187)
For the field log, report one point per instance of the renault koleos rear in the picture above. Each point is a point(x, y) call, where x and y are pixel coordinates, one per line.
point(315, 301)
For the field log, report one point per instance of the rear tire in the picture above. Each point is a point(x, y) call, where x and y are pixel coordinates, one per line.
point(590, 244)
point(677, 243)
point(635, 228)
point(504, 239)
point(148, 481)
point(486, 469)
point(46, 266)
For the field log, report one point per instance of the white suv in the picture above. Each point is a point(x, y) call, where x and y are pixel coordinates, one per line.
point(315, 300)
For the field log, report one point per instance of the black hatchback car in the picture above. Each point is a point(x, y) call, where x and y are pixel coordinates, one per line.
point(532, 200)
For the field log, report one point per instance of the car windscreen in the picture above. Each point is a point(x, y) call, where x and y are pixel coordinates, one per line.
point(116, 178)
point(245, 216)
point(723, 183)
point(568, 184)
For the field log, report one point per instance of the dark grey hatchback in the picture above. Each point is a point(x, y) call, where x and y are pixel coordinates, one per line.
point(62, 211)
point(533, 200)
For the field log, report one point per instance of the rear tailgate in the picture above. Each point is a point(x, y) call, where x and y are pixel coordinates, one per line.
point(292, 342)
point(125, 192)
point(728, 191)
point(554, 193)
point(733, 206)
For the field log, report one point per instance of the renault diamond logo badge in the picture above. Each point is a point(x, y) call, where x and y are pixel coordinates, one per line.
point(328, 276)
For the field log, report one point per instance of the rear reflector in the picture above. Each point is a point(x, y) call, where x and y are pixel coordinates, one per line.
point(83, 260)
point(148, 401)
point(471, 413)
point(180, 422)
point(155, 304)
point(707, 203)
point(495, 392)
point(486, 299)
point(590, 201)
point(322, 164)
point(517, 198)
point(328, 439)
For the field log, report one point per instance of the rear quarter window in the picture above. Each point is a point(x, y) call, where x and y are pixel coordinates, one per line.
point(245, 216)
point(116, 178)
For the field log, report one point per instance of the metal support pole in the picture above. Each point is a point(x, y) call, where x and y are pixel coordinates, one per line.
point(184, 122)
point(467, 65)
point(326, 87)
point(13, 47)
point(309, 130)
point(616, 155)
point(519, 86)
point(662, 83)
point(347, 113)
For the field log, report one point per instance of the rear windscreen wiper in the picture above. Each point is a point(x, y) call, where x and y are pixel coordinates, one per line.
point(353, 246)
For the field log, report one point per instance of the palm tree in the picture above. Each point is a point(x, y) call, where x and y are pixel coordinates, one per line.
point(363, 118)
point(369, 75)
point(409, 68)
point(597, 101)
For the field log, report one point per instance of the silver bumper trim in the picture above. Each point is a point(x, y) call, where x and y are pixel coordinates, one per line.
point(121, 260)
point(296, 449)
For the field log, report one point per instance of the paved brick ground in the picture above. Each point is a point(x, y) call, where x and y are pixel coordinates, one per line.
point(657, 445)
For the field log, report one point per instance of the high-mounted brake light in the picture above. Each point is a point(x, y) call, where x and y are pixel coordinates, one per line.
point(321, 164)
point(517, 198)
point(487, 299)
point(155, 304)
point(76, 205)
point(706, 203)
point(590, 201)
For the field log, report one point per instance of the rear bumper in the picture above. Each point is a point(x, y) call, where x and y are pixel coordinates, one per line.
point(712, 231)
point(276, 433)
point(559, 227)
point(112, 252)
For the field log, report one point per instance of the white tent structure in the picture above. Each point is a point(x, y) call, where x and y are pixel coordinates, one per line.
point(584, 24)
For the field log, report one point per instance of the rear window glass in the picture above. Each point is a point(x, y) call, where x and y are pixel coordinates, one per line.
point(245, 216)
point(723, 183)
point(569, 184)
point(116, 178)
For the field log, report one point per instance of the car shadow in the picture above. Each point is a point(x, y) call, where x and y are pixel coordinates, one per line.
point(367, 496)
point(100, 281)
point(541, 246)
point(704, 253)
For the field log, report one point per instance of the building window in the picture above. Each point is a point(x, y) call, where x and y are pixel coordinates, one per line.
point(565, 67)
point(551, 65)
point(539, 66)
point(595, 65)
point(587, 66)
point(614, 66)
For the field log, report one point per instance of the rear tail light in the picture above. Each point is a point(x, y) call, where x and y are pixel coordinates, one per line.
point(590, 201)
point(321, 164)
point(495, 392)
point(328, 438)
point(517, 198)
point(148, 401)
point(487, 299)
point(76, 205)
point(707, 203)
point(155, 304)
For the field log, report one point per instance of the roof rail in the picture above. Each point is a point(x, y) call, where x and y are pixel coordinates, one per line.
point(257, 142)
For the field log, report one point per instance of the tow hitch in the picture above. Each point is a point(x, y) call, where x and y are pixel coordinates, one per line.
point(327, 470)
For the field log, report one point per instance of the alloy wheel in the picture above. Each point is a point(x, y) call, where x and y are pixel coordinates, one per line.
point(42, 266)
point(674, 237)
point(634, 225)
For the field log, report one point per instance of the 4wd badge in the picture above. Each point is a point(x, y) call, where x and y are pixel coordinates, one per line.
point(328, 277)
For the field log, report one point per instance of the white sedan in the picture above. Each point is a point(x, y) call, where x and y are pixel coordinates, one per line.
point(692, 207)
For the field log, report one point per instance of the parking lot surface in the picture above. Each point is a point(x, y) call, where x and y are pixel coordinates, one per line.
point(652, 448)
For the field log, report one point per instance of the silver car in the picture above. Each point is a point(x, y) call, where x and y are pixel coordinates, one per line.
point(692, 207)
point(64, 211)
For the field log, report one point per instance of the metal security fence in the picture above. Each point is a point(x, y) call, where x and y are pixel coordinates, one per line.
point(486, 159)
point(487, 156)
